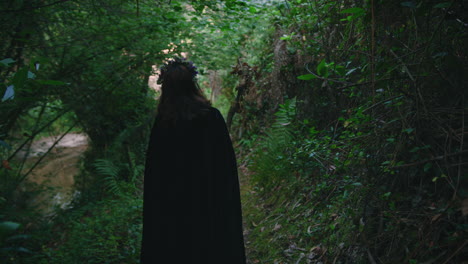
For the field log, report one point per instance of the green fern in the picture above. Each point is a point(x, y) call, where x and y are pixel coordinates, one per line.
point(110, 173)
point(271, 162)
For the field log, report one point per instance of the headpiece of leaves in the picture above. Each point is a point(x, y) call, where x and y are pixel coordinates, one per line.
point(177, 61)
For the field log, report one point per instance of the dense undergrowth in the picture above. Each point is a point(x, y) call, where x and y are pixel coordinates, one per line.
point(108, 231)
point(368, 167)
point(311, 199)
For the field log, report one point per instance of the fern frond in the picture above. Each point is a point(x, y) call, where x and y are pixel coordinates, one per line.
point(110, 173)
point(271, 161)
point(106, 167)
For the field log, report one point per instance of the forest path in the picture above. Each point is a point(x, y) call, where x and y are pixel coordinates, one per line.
point(55, 174)
point(246, 192)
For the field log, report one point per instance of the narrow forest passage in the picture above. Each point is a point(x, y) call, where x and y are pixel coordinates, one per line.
point(349, 119)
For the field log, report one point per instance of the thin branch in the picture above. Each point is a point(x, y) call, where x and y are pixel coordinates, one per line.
point(460, 158)
point(36, 132)
point(381, 102)
point(429, 160)
point(31, 138)
point(323, 78)
point(403, 64)
point(456, 251)
point(373, 50)
point(45, 154)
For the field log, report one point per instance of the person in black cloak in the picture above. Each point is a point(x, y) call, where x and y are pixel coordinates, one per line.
point(192, 209)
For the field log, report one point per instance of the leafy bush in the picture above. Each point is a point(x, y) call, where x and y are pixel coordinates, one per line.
point(108, 231)
point(113, 182)
point(309, 204)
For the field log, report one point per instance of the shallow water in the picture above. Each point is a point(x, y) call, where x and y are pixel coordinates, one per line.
point(55, 174)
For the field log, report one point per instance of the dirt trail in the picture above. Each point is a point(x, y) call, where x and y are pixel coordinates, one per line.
point(55, 174)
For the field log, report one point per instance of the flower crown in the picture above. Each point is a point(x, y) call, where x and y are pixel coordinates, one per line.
point(177, 61)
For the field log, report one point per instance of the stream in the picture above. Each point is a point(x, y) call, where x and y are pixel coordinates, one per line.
point(55, 174)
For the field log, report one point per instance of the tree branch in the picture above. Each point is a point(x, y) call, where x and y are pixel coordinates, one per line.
point(48, 151)
point(429, 160)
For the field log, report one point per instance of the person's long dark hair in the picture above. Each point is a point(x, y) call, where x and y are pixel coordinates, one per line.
point(181, 98)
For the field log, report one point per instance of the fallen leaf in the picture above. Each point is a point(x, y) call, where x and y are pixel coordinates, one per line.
point(317, 250)
point(435, 217)
point(277, 227)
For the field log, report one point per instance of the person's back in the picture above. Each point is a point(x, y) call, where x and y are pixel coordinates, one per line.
point(192, 210)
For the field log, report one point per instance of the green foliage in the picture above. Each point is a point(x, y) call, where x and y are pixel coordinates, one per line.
point(104, 84)
point(11, 240)
point(110, 172)
point(108, 231)
point(7, 227)
point(224, 32)
point(85, 61)
point(271, 164)
point(374, 77)
point(117, 184)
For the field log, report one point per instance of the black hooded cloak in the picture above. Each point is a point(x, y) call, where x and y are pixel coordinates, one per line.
point(192, 209)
